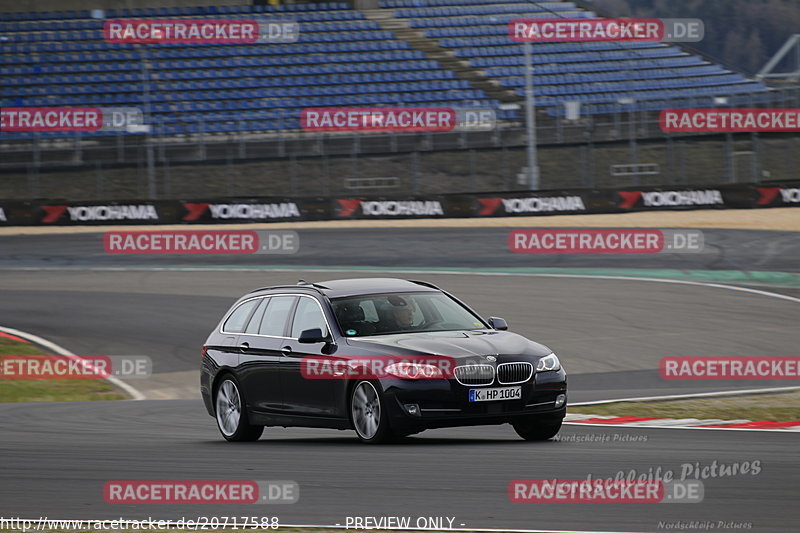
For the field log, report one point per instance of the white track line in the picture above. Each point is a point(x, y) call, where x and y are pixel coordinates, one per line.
point(623, 426)
point(417, 271)
point(689, 396)
point(134, 394)
point(670, 423)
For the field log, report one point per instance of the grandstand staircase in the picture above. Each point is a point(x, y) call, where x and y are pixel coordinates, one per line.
point(446, 58)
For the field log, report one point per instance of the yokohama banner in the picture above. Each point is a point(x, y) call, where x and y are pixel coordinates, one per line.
point(401, 207)
point(163, 212)
point(490, 204)
point(245, 210)
point(744, 196)
point(672, 199)
point(108, 213)
point(528, 204)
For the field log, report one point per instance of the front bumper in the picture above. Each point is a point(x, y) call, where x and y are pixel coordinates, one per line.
point(445, 403)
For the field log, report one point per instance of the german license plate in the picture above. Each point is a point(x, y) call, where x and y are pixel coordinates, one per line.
point(498, 393)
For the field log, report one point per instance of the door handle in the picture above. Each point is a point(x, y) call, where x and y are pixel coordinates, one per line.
point(244, 346)
point(286, 350)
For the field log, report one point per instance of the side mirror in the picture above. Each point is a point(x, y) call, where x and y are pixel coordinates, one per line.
point(498, 323)
point(312, 336)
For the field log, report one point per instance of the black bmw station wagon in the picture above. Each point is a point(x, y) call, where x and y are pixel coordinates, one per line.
point(385, 357)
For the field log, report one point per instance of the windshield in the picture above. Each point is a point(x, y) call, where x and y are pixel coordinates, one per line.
point(386, 314)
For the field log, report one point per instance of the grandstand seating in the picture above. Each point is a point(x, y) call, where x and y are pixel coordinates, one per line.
point(340, 59)
point(597, 74)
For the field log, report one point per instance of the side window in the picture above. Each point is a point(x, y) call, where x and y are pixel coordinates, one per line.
point(237, 320)
point(308, 316)
point(258, 316)
point(276, 315)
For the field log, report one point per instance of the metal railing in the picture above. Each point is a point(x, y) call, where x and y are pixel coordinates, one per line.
point(626, 147)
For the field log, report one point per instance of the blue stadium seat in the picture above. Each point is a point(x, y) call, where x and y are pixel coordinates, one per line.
point(342, 58)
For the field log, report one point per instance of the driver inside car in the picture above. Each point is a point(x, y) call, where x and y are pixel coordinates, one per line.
point(403, 313)
point(404, 317)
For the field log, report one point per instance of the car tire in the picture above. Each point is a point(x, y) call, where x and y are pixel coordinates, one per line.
point(537, 429)
point(368, 414)
point(231, 414)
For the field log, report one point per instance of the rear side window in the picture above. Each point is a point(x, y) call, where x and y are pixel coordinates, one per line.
point(276, 316)
point(255, 322)
point(237, 320)
point(308, 315)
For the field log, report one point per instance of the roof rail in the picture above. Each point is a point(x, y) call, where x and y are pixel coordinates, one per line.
point(424, 284)
point(303, 282)
point(313, 286)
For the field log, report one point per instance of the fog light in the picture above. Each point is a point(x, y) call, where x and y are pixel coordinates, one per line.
point(561, 399)
point(412, 409)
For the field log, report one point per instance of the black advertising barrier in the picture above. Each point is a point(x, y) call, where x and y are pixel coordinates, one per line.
point(738, 196)
point(661, 198)
point(434, 206)
point(15, 213)
point(64, 212)
point(490, 204)
point(539, 203)
point(233, 210)
point(780, 194)
point(586, 201)
point(61, 213)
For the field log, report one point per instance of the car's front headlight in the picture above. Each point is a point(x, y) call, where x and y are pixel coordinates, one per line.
point(414, 371)
point(548, 363)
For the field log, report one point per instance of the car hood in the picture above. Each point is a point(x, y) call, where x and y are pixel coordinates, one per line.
point(452, 343)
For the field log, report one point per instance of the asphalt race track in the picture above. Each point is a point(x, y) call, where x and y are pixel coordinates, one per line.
point(609, 333)
point(57, 462)
point(422, 247)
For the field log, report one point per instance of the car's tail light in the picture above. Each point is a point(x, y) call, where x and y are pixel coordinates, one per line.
point(204, 352)
point(414, 371)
